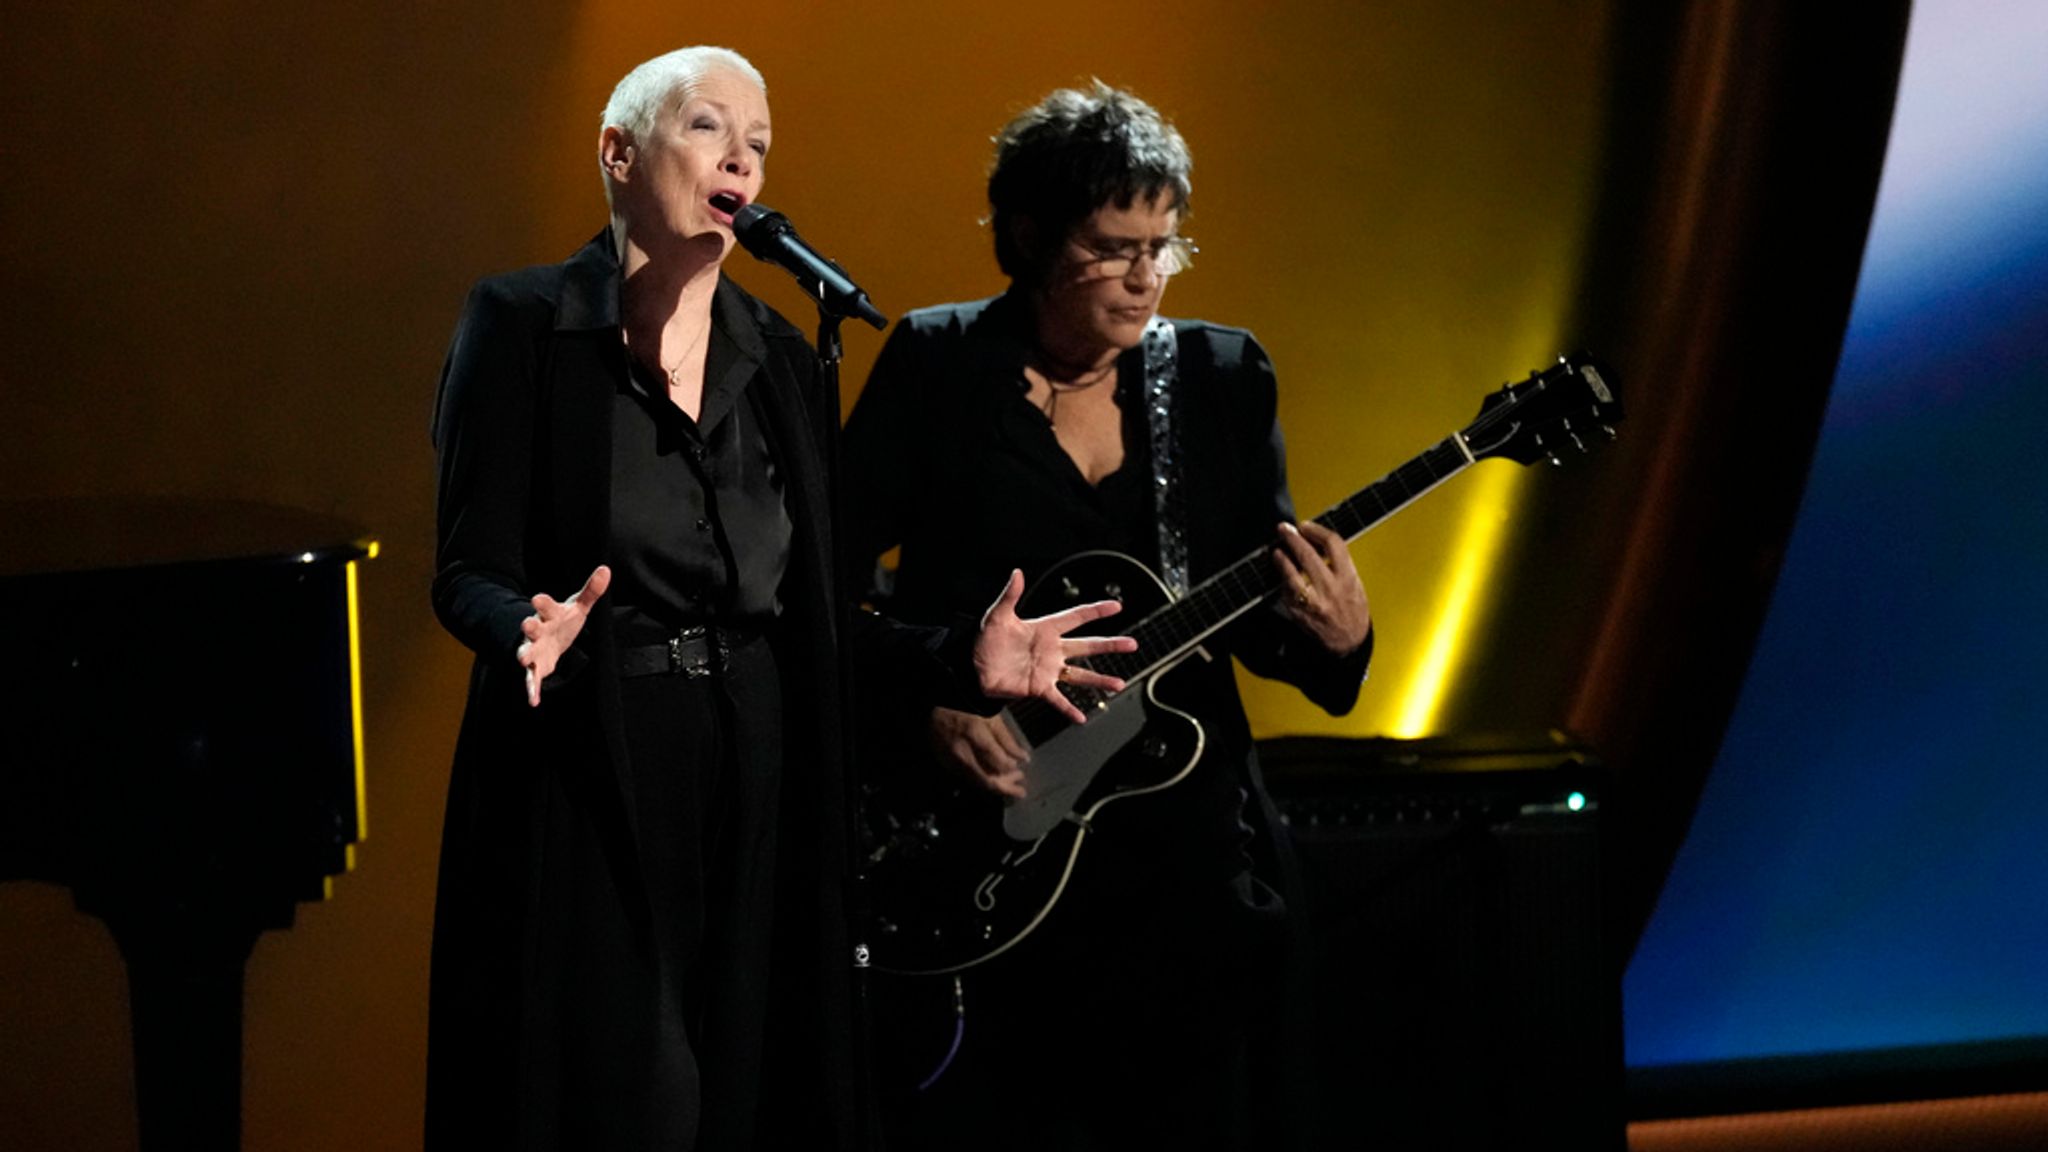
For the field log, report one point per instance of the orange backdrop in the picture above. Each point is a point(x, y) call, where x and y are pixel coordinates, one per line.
point(236, 236)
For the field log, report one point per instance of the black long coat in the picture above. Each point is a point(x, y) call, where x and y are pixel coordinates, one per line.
point(541, 930)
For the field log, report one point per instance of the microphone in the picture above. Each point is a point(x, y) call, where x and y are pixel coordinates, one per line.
point(769, 236)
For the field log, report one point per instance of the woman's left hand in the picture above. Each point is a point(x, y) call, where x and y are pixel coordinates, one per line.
point(1014, 657)
point(1322, 592)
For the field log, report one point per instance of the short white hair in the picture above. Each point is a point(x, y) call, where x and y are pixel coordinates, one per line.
point(637, 102)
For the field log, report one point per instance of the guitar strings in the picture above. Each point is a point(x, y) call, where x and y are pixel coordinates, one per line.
point(1251, 578)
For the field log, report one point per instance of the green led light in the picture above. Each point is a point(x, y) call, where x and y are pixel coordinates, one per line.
point(1576, 801)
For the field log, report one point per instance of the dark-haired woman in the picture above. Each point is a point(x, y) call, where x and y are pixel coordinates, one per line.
point(1015, 432)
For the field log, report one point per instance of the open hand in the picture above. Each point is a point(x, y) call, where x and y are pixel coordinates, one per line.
point(554, 626)
point(1014, 657)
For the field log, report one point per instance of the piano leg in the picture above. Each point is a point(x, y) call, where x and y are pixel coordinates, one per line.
point(185, 967)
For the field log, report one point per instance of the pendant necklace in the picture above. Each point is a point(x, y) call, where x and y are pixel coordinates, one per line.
point(682, 362)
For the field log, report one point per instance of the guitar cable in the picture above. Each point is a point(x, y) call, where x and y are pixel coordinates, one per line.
point(959, 1030)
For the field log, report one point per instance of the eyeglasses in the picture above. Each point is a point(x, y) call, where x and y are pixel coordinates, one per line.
point(1171, 256)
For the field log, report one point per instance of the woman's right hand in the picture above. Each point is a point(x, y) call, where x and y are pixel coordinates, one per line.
point(984, 748)
point(554, 626)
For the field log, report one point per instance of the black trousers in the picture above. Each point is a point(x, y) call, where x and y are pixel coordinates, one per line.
point(707, 765)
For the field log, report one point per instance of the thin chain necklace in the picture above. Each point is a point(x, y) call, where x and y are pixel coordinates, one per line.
point(1055, 389)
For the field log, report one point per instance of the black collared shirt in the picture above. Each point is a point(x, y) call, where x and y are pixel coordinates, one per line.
point(699, 531)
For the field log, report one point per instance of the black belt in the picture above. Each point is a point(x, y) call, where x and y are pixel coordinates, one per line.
point(696, 652)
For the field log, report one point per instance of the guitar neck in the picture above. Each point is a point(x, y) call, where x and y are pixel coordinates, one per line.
point(1539, 418)
point(1167, 634)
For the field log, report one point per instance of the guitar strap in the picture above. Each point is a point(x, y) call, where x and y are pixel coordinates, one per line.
point(1169, 508)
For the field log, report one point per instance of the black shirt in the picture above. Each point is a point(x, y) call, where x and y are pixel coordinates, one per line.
point(699, 530)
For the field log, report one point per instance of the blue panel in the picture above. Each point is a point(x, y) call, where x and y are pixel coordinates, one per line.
point(1869, 864)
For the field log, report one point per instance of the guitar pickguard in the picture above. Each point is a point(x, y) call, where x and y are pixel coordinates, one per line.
point(1062, 768)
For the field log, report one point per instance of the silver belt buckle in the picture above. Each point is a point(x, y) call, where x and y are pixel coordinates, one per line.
point(710, 663)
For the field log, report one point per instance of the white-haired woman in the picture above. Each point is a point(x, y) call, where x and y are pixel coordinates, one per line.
point(639, 937)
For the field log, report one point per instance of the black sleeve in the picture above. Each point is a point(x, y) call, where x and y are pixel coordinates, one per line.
point(483, 437)
point(909, 668)
point(1268, 643)
point(883, 456)
point(882, 450)
point(895, 666)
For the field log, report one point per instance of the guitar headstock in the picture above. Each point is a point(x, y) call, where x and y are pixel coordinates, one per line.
point(1555, 411)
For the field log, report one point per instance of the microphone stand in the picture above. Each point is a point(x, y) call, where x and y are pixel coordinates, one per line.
point(830, 352)
point(757, 229)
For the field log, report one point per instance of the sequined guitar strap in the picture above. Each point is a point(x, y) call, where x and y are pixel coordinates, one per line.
point(1170, 513)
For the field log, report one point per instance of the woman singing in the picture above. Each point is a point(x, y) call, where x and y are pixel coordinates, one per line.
point(1021, 430)
point(640, 939)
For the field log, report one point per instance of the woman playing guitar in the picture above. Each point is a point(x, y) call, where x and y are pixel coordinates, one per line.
point(1066, 417)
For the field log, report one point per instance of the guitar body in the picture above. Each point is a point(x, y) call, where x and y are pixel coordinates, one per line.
point(958, 874)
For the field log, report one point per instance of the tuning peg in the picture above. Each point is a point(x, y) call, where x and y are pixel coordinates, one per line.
point(1554, 461)
point(1578, 443)
point(1609, 429)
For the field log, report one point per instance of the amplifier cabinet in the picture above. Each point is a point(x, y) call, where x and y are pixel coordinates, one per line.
point(1465, 992)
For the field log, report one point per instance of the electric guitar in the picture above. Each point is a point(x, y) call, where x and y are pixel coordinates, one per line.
point(958, 875)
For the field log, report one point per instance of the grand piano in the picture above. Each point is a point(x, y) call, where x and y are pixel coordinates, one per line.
point(181, 747)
